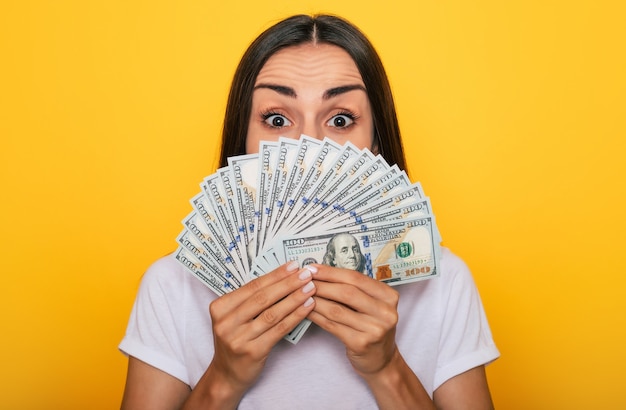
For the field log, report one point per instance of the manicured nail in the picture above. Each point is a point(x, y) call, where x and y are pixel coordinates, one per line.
point(308, 302)
point(305, 274)
point(308, 287)
point(293, 265)
point(312, 268)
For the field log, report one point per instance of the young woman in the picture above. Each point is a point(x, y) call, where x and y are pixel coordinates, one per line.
point(421, 345)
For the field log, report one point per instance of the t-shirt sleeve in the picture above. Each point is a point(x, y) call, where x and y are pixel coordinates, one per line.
point(466, 340)
point(153, 334)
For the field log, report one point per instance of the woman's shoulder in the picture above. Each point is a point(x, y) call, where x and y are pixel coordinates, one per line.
point(165, 270)
point(453, 275)
point(166, 263)
point(456, 282)
point(451, 265)
point(164, 278)
point(167, 279)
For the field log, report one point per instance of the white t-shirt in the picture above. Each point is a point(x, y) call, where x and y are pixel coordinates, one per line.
point(442, 332)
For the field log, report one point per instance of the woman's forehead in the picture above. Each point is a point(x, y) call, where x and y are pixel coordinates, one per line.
point(315, 64)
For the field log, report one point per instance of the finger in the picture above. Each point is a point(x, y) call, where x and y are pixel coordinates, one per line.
point(341, 315)
point(359, 300)
point(228, 302)
point(345, 306)
point(368, 285)
point(296, 315)
point(355, 330)
point(269, 307)
point(264, 298)
point(345, 333)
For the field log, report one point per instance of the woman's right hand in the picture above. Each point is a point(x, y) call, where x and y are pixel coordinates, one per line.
point(247, 323)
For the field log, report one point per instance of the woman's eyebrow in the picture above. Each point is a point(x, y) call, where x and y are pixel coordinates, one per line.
point(280, 89)
point(328, 94)
point(333, 92)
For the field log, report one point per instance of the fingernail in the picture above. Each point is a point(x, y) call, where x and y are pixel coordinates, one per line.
point(308, 302)
point(308, 287)
point(293, 265)
point(305, 274)
point(312, 268)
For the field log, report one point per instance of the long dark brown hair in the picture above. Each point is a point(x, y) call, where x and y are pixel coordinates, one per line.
point(302, 29)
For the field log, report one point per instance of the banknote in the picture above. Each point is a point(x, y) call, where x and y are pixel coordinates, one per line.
point(387, 185)
point(206, 212)
point(374, 175)
point(341, 186)
point(244, 176)
point(400, 201)
point(237, 224)
point(412, 206)
point(397, 252)
point(394, 253)
point(214, 197)
point(285, 161)
point(305, 155)
point(318, 191)
point(197, 267)
point(268, 152)
point(299, 199)
point(324, 160)
point(195, 227)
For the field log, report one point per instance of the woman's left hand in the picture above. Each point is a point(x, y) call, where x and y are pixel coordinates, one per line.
point(361, 312)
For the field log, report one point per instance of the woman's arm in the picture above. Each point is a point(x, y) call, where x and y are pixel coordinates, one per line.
point(150, 388)
point(362, 313)
point(247, 323)
point(397, 387)
point(466, 391)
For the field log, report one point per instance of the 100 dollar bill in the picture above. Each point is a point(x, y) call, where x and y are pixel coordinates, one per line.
point(392, 252)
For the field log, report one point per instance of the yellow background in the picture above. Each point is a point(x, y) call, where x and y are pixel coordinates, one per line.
point(513, 116)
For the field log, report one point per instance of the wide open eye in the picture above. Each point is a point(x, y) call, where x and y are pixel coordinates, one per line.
point(343, 120)
point(276, 120)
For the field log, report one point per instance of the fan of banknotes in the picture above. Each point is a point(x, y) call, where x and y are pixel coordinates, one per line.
point(312, 201)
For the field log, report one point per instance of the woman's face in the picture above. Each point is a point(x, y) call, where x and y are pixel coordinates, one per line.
point(315, 90)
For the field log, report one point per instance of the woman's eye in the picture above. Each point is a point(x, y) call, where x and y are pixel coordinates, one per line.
point(341, 121)
point(276, 121)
